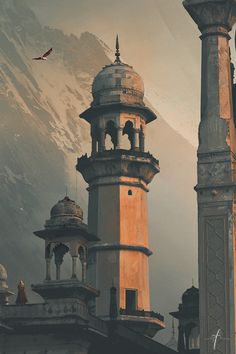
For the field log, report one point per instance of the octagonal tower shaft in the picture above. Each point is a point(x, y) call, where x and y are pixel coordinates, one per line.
point(118, 213)
point(216, 177)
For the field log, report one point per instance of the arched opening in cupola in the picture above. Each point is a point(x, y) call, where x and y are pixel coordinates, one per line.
point(110, 135)
point(60, 251)
point(128, 133)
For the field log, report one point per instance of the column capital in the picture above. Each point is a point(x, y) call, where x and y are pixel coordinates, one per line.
point(212, 13)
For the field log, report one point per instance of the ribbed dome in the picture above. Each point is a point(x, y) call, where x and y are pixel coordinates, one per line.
point(66, 213)
point(118, 83)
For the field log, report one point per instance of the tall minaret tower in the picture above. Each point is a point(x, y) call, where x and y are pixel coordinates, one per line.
point(216, 177)
point(118, 173)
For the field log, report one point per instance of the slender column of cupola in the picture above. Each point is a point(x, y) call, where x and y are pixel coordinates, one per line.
point(48, 268)
point(74, 267)
point(101, 141)
point(136, 138)
point(94, 141)
point(119, 137)
point(118, 181)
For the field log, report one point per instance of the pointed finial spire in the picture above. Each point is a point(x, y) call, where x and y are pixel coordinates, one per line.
point(192, 282)
point(117, 60)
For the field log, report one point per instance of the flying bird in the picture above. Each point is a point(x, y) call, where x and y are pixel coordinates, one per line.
point(44, 56)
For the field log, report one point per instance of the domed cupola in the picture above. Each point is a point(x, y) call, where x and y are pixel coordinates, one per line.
point(118, 83)
point(190, 297)
point(188, 316)
point(66, 213)
point(65, 232)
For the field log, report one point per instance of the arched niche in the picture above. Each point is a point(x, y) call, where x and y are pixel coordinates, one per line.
point(110, 135)
point(59, 251)
point(128, 136)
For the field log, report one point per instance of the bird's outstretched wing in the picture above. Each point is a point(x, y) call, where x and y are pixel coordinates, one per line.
point(38, 58)
point(47, 53)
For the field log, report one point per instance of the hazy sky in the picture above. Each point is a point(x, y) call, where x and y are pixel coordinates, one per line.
point(157, 37)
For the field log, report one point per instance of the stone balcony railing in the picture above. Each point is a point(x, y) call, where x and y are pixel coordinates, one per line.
point(65, 311)
point(119, 152)
point(44, 310)
point(142, 313)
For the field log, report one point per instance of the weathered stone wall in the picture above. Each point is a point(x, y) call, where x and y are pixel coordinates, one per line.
point(48, 343)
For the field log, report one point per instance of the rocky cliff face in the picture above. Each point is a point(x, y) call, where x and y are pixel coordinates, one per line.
point(41, 136)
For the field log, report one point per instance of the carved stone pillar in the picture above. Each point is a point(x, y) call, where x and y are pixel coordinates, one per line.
point(94, 140)
point(136, 139)
point(48, 269)
point(84, 266)
point(216, 182)
point(141, 141)
point(101, 142)
point(83, 260)
point(58, 271)
point(119, 137)
point(94, 145)
point(74, 267)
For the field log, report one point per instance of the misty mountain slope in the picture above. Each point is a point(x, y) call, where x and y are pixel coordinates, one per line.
point(41, 136)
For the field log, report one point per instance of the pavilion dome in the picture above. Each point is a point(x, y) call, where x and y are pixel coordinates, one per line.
point(118, 83)
point(65, 213)
point(190, 297)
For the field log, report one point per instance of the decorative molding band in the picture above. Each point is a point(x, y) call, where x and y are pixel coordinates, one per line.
point(199, 187)
point(119, 183)
point(215, 33)
point(120, 247)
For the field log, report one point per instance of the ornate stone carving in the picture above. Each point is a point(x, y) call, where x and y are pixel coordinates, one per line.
point(208, 13)
point(215, 237)
point(214, 172)
point(119, 163)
